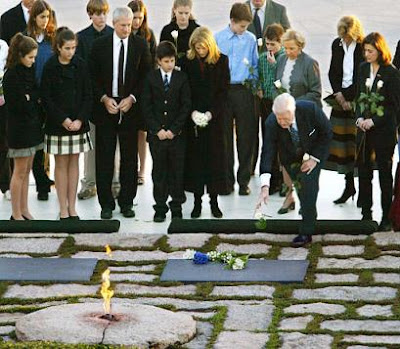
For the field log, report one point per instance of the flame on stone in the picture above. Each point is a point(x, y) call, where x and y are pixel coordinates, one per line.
point(105, 291)
point(108, 251)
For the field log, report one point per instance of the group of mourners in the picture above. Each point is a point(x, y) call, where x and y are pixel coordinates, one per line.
point(106, 91)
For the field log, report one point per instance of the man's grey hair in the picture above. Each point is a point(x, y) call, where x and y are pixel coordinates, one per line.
point(283, 103)
point(122, 12)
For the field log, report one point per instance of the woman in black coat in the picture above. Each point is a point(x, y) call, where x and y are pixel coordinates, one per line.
point(377, 134)
point(67, 99)
point(181, 27)
point(206, 162)
point(343, 73)
point(24, 132)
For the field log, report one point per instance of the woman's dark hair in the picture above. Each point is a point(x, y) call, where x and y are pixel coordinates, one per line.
point(274, 32)
point(165, 49)
point(63, 34)
point(37, 8)
point(378, 41)
point(20, 46)
point(139, 6)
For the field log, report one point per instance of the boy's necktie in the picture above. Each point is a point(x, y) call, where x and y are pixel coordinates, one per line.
point(166, 83)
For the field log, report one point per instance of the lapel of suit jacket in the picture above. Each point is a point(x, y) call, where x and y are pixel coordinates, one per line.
point(21, 17)
point(269, 16)
point(302, 127)
point(130, 58)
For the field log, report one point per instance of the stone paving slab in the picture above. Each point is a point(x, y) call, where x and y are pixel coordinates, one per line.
point(249, 317)
point(241, 340)
point(14, 255)
point(390, 278)
point(298, 340)
point(290, 253)
point(32, 304)
point(244, 291)
point(134, 268)
point(295, 323)
point(34, 245)
point(382, 262)
point(258, 236)
point(342, 250)
point(33, 235)
point(386, 339)
point(347, 293)
point(380, 326)
point(188, 240)
point(250, 249)
point(342, 237)
point(139, 289)
point(335, 278)
point(10, 317)
point(364, 347)
point(58, 290)
point(203, 333)
point(316, 308)
point(375, 310)
point(199, 314)
point(386, 238)
point(117, 239)
point(122, 256)
point(6, 329)
point(132, 277)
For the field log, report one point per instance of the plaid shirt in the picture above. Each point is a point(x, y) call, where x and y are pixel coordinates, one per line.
point(266, 72)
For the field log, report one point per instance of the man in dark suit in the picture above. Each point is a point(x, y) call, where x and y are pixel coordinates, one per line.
point(14, 20)
point(301, 133)
point(268, 12)
point(119, 64)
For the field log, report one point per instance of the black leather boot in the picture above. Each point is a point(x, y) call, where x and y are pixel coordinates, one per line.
point(216, 212)
point(196, 212)
point(349, 189)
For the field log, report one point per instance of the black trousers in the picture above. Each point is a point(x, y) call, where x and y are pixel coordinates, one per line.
point(39, 172)
point(241, 110)
point(106, 142)
point(307, 190)
point(168, 166)
point(384, 162)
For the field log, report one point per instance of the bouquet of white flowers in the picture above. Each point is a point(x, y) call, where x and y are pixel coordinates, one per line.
point(200, 119)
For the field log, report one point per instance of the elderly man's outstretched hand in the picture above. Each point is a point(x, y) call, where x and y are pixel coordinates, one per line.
point(263, 197)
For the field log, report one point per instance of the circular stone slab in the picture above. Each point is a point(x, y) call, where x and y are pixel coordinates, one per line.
point(138, 325)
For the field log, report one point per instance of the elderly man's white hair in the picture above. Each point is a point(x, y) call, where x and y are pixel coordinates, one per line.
point(122, 12)
point(283, 103)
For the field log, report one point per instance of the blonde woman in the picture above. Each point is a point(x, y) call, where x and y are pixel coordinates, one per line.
point(343, 73)
point(206, 162)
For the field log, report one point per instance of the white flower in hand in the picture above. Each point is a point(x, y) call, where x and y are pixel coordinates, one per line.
point(278, 84)
point(258, 214)
point(200, 119)
point(246, 61)
point(379, 85)
point(368, 83)
point(259, 42)
point(189, 254)
point(238, 265)
point(175, 34)
point(209, 115)
point(1, 74)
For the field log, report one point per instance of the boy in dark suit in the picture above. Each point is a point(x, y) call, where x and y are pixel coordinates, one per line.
point(301, 133)
point(166, 105)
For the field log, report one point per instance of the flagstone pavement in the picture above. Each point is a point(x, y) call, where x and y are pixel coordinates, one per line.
point(350, 297)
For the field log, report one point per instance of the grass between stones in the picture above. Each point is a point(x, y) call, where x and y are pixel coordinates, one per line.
point(218, 321)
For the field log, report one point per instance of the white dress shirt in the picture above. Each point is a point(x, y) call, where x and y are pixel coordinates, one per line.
point(3, 55)
point(261, 13)
point(163, 73)
point(26, 12)
point(348, 63)
point(116, 49)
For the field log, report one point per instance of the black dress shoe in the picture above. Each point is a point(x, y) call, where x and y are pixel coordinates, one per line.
point(301, 240)
point(64, 218)
point(216, 212)
point(284, 210)
point(12, 218)
point(159, 217)
point(176, 215)
point(127, 212)
point(74, 218)
point(385, 226)
point(226, 192)
point(43, 196)
point(367, 217)
point(26, 218)
point(196, 213)
point(106, 213)
point(244, 190)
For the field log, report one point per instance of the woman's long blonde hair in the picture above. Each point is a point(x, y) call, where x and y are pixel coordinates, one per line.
point(204, 36)
point(351, 26)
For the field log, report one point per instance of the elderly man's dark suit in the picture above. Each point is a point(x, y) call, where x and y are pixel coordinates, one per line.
point(315, 134)
point(107, 125)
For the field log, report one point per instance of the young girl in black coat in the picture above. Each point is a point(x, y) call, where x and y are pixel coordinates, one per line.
point(66, 95)
point(24, 132)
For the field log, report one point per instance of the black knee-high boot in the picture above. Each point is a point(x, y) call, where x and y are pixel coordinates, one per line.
point(349, 189)
point(216, 212)
point(196, 213)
